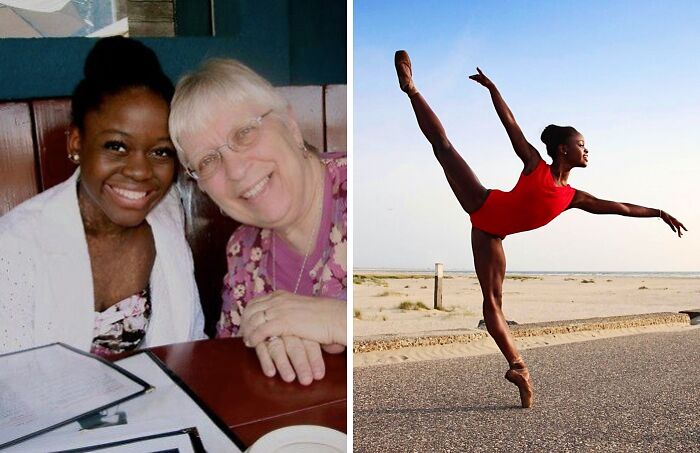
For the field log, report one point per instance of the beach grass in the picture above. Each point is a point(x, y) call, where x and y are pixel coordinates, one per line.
point(522, 278)
point(410, 305)
point(359, 279)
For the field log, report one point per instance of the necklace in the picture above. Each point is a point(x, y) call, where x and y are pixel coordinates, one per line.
point(312, 237)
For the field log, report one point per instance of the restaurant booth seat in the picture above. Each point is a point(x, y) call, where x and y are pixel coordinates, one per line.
point(33, 158)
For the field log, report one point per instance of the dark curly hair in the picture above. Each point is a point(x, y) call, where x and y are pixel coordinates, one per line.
point(553, 136)
point(115, 64)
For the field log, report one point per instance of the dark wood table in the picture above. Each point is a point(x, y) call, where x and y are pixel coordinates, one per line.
point(227, 378)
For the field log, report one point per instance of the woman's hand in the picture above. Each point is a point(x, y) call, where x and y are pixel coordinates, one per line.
point(671, 221)
point(481, 79)
point(281, 313)
point(293, 358)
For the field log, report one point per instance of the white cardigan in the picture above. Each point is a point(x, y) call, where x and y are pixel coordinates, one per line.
point(46, 291)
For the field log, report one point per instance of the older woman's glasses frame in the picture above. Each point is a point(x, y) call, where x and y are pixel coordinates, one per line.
point(238, 141)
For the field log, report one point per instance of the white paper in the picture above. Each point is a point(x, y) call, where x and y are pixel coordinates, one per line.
point(167, 408)
point(42, 387)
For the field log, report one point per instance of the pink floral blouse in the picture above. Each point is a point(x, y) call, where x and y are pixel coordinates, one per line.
point(251, 258)
point(122, 326)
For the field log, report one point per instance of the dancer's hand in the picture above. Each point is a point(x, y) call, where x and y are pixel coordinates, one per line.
point(481, 79)
point(671, 221)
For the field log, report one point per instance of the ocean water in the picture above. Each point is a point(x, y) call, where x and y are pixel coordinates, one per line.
point(470, 273)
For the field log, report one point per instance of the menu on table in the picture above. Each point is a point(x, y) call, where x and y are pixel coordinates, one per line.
point(49, 386)
point(169, 415)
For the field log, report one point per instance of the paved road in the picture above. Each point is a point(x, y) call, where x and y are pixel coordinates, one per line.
point(626, 394)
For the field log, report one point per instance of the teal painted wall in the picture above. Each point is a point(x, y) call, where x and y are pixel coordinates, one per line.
point(290, 42)
point(318, 41)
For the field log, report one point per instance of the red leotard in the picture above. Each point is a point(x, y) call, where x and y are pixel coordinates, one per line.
point(534, 201)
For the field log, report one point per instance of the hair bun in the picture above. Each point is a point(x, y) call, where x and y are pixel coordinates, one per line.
point(549, 133)
point(554, 135)
point(115, 64)
point(121, 58)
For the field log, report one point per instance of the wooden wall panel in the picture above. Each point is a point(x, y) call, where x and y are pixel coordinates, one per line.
point(51, 118)
point(150, 10)
point(151, 29)
point(307, 104)
point(151, 18)
point(336, 105)
point(18, 180)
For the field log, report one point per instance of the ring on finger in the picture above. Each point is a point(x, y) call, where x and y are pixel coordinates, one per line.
point(272, 338)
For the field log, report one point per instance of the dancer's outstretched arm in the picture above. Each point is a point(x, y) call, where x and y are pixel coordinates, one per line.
point(589, 203)
point(525, 151)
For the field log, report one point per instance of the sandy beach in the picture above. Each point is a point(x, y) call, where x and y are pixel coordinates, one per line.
point(526, 299)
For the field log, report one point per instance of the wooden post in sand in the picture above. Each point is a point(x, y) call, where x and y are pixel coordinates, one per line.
point(437, 299)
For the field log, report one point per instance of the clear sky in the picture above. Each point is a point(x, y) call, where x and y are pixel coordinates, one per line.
point(625, 74)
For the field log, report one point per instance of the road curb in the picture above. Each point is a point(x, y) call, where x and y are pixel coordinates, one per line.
point(389, 342)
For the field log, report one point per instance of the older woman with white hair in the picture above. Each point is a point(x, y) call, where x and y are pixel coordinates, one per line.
point(286, 285)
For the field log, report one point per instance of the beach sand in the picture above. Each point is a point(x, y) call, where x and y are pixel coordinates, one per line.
point(526, 299)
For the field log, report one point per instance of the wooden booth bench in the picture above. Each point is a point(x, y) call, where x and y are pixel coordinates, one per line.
point(33, 158)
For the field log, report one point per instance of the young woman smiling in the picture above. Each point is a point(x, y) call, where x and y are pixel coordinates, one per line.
point(100, 261)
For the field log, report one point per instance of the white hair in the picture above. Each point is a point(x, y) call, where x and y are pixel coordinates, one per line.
point(218, 81)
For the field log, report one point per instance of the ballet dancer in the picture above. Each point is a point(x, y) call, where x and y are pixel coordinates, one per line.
point(540, 195)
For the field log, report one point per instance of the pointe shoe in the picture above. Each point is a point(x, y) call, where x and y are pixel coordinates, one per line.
point(521, 378)
point(405, 73)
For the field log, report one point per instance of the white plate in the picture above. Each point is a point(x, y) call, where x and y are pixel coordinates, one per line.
point(301, 438)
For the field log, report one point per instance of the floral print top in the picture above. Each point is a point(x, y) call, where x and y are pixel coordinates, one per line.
point(122, 326)
point(259, 264)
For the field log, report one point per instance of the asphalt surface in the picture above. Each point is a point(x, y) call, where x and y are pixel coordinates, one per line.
point(639, 393)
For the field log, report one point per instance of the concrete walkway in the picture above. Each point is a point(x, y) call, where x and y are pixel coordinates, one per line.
point(635, 393)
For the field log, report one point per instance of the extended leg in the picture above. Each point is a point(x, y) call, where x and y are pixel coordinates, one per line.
point(490, 265)
point(462, 179)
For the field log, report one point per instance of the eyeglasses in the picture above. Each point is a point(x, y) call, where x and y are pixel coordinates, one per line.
point(238, 141)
